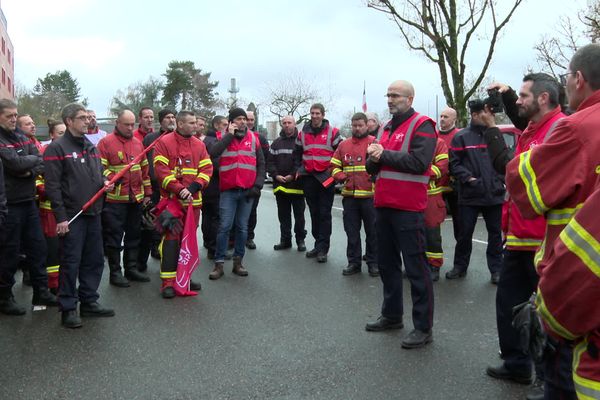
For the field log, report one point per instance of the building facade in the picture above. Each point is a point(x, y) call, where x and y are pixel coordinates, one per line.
point(7, 61)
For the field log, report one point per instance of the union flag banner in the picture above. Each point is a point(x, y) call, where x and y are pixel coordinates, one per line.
point(189, 259)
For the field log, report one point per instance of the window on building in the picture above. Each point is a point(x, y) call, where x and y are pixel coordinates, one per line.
point(9, 85)
point(3, 77)
point(9, 57)
point(3, 46)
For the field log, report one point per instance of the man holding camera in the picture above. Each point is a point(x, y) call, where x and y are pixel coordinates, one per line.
point(480, 188)
point(538, 103)
point(241, 177)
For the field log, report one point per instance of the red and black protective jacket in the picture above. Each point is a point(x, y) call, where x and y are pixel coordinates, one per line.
point(73, 175)
point(117, 152)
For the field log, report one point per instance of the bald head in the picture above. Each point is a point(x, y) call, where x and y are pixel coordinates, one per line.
point(250, 120)
point(125, 123)
point(447, 119)
point(400, 95)
point(288, 125)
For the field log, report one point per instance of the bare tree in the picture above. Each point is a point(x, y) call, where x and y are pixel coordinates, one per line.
point(554, 51)
point(292, 95)
point(443, 31)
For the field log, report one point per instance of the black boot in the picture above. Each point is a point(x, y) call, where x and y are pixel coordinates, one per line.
point(8, 305)
point(43, 297)
point(282, 245)
point(130, 261)
point(114, 264)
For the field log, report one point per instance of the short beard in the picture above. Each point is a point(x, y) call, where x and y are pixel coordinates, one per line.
point(530, 112)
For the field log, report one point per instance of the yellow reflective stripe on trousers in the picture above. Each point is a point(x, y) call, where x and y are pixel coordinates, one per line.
point(561, 216)
point(52, 268)
point(288, 190)
point(357, 193)
point(583, 245)
point(549, 318)
point(516, 241)
point(429, 254)
point(168, 275)
point(586, 389)
point(529, 179)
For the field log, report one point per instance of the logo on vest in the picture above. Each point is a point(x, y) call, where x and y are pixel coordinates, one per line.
point(399, 136)
point(247, 143)
point(533, 144)
point(324, 136)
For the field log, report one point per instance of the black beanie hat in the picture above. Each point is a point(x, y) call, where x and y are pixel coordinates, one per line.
point(163, 113)
point(236, 112)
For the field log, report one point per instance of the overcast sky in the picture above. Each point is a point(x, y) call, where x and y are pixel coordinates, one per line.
point(337, 44)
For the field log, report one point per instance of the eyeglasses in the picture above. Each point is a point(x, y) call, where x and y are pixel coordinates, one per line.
point(394, 95)
point(563, 77)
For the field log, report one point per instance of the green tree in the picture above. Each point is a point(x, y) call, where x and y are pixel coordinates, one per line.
point(49, 95)
point(443, 31)
point(188, 88)
point(138, 95)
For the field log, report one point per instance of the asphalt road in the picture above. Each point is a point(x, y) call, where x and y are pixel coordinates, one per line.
point(293, 329)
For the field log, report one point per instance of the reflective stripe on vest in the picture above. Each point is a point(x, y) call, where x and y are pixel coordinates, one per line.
point(547, 136)
point(402, 176)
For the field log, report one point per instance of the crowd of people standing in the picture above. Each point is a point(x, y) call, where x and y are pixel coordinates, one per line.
point(397, 180)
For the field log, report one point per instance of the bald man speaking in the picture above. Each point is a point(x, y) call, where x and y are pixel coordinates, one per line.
point(401, 159)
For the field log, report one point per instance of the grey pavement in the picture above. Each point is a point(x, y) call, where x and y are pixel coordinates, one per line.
point(292, 329)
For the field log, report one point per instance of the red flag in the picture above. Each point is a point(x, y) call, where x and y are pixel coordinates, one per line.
point(364, 105)
point(188, 255)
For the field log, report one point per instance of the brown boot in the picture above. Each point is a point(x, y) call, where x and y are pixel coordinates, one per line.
point(238, 268)
point(217, 272)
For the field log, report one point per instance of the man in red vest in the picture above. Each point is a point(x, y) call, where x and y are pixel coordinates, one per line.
point(554, 179)
point(315, 146)
point(402, 161)
point(538, 102)
point(241, 177)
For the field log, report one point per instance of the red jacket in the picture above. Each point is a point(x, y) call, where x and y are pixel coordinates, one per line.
point(569, 294)
point(237, 165)
point(348, 163)
point(182, 163)
point(436, 206)
point(555, 177)
point(140, 134)
point(447, 138)
point(401, 190)
point(527, 234)
point(116, 152)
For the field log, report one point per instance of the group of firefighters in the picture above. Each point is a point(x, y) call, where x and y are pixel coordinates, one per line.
point(395, 180)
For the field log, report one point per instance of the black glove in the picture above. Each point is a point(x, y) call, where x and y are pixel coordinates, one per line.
point(253, 192)
point(167, 221)
point(194, 187)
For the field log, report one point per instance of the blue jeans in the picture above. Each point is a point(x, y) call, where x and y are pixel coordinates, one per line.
point(233, 205)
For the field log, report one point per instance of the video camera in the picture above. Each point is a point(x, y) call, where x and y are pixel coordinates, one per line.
point(493, 101)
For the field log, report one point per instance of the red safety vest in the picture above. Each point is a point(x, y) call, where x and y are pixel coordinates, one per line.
point(395, 189)
point(527, 234)
point(237, 165)
point(317, 149)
